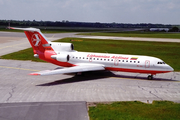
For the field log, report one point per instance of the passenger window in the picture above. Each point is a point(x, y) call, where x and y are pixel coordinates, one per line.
point(126, 60)
point(138, 61)
point(123, 61)
point(119, 60)
point(104, 59)
point(134, 61)
point(111, 59)
point(130, 61)
point(94, 58)
point(97, 58)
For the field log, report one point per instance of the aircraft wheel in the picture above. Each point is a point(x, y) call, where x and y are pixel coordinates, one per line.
point(150, 77)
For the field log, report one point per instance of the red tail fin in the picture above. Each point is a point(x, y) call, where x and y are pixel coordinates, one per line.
point(37, 40)
point(41, 46)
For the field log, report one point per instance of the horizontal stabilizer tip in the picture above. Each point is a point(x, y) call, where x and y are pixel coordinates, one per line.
point(34, 74)
point(26, 29)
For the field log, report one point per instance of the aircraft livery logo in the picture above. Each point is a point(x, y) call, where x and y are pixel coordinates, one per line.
point(36, 41)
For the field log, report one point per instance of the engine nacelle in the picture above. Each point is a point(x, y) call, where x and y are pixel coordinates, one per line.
point(61, 57)
point(60, 47)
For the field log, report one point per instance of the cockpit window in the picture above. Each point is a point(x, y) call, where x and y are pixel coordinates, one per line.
point(161, 63)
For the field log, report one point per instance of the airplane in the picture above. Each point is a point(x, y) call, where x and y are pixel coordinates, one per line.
point(64, 55)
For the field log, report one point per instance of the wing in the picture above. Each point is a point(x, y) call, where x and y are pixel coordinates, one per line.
point(79, 68)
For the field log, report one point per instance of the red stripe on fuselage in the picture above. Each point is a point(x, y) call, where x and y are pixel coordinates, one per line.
point(135, 70)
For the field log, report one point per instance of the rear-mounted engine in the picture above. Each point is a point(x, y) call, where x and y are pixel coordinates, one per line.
point(62, 47)
point(61, 57)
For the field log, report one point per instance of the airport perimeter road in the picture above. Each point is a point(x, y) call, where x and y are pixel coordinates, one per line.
point(132, 38)
point(17, 86)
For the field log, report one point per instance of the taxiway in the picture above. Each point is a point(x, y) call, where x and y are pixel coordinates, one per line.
point(17, 86)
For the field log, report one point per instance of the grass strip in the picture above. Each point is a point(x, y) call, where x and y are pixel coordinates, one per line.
point(169, 52)
point(158, 110)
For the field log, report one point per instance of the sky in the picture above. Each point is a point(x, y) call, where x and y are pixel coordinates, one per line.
point(104, 11)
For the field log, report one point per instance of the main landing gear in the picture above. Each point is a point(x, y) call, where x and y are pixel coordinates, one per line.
point(150, 77)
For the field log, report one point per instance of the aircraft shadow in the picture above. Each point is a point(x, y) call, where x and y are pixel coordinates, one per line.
point(88, 76)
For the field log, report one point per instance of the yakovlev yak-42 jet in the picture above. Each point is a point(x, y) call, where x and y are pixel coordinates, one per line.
point(63, 54)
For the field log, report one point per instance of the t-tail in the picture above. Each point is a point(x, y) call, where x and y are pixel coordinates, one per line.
point(53, 52)
point(41, 46)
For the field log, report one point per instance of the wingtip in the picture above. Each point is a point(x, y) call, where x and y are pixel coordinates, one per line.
point(34, 74)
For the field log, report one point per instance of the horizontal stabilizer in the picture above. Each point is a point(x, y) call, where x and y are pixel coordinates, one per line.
point(80, 68)
point(26, 29)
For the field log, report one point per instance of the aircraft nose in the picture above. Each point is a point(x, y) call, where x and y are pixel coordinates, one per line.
point(170, 68)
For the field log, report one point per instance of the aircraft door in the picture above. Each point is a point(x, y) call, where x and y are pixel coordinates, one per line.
point(116, 62)
point(147, 64)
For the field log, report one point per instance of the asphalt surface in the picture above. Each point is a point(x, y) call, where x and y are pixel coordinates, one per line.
point(44, 111)
point(16, 86)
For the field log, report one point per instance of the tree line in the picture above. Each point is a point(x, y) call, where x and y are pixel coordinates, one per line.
point(27, 23)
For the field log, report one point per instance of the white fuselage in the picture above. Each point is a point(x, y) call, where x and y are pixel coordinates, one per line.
point(121, 62)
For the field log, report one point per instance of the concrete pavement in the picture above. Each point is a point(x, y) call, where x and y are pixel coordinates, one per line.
point(17, 86)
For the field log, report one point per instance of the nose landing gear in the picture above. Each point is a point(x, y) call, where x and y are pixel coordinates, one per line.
point(150, 77)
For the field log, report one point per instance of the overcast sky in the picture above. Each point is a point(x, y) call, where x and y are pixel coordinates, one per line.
point(104, 11)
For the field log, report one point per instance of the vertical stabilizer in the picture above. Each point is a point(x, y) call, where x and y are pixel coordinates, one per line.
point(36, 39)
point(41, 46)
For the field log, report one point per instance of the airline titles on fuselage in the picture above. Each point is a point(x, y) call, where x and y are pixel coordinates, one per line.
point(107, 56)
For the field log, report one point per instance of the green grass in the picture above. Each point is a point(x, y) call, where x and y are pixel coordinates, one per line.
point(168, 52)
point(26, 54)
point(158, 110)
point(137, 34)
